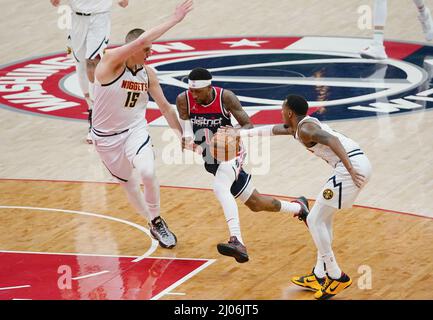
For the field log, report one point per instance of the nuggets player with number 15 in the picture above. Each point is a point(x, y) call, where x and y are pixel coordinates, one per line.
point(119, 130)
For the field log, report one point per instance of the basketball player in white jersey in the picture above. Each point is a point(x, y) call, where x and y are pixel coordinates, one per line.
point(203, 109)
point(376, 49)
point(352, 170)
point(89, 35)
point(119, 130)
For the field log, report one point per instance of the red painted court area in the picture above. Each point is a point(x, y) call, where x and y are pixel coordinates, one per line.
point(83, 277)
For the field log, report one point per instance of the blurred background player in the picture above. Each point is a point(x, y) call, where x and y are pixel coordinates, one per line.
point(352, 170)
point(89, 35)
point(119, 130)
point(203, 109)
point(376, 49)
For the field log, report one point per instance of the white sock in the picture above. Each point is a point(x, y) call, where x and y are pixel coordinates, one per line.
point(223, 180)
point(289, 207)
point(378, 37)
point(144, 162)
point(319, 269)
point(332, 268)
point(379, 21)
point(136, 197)
point(380, 13)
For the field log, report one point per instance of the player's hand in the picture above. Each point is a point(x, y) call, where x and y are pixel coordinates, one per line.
point(55, 3)
point(123, 3)
point(182, 10)
point(188, 144)
point(357, 178)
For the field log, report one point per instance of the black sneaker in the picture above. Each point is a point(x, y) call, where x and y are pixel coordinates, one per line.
point(160, 231)
point(234, 249)
point(305, 209)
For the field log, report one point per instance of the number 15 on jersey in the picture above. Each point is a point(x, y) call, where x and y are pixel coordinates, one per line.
point(131, 99)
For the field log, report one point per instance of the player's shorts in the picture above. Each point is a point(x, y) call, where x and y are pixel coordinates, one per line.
point(242, 187)
point(118, 149)
point(340, 191)
point(89, 35)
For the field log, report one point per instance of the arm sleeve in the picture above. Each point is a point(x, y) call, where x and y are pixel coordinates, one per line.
point(187, 128)
point(258, 131)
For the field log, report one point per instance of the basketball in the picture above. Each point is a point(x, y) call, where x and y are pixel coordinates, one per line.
point(224, 147)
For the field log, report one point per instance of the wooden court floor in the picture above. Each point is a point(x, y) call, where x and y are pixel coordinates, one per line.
point(394, 246)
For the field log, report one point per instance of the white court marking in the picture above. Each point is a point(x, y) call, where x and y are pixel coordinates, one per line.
point(90, 275)
point(176, 293)
point(16, 287)
point(154, 243)
point(180, 281)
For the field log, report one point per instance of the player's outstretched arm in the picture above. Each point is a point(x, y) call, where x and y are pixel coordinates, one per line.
point(120, 54)
point(264, 131)
point(167, 110)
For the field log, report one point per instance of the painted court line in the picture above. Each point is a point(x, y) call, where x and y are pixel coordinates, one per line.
point(180, 281)
point(207, 189)
point(16, 287)
point(91, 275)
point(154, 243)
point(176, 293)
point(99, 255)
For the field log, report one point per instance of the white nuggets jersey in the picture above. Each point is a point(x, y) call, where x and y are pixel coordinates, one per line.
point(91, 6)
point(121, 104)
point(323, 151)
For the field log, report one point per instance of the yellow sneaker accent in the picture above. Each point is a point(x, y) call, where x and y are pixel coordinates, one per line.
point(309, 281)
point(332, 287)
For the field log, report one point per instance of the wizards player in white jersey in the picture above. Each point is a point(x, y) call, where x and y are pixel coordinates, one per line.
point(352, 170)
point(122, 85)
point(88, 38)
point(203, 109)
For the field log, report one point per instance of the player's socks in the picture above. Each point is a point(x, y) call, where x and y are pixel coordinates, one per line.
point(332, 268)
point(319, 269)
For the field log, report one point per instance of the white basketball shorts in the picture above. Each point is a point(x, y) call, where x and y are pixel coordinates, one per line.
point(89, 35)
point(340, 191)
point(117, 151)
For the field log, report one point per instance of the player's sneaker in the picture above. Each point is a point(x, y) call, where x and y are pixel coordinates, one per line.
point(160, 231)
point(426, 24)
point(234, 248)
point(374, 51)
point(309, 281)
point(305, 209)
point(333, 286)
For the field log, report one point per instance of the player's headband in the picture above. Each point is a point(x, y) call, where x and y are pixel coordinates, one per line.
point(198, 84)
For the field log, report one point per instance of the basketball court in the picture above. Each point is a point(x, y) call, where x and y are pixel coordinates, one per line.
point(67, 230)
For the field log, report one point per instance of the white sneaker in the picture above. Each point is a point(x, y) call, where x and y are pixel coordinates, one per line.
point(374, 51)
point(426, 24)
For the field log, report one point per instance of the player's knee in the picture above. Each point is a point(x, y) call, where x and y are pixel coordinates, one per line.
point(311, 220)
point(146, 174)
point(220, 189)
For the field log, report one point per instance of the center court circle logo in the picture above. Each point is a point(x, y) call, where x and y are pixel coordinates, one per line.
point(261, 71)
